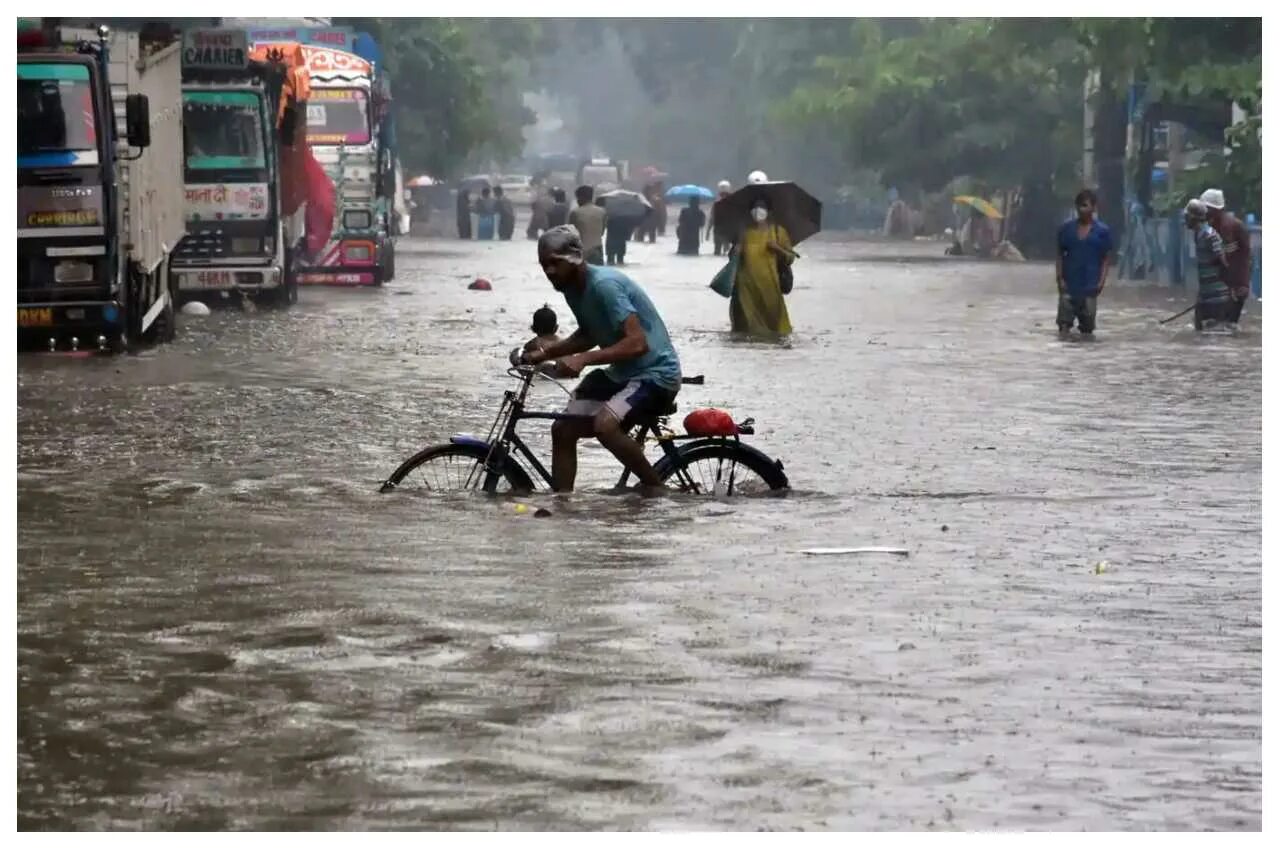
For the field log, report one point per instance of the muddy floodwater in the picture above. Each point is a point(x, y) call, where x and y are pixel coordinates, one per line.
point(223, 625)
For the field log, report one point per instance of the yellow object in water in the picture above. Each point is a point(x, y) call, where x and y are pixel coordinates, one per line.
point(1100, 568)
point(757, 305)
point(521, 508)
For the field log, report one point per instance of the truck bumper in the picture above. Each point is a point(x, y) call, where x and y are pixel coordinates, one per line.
point(61, 318)
point(191, 279)
point(338, 276)
point(341, 265)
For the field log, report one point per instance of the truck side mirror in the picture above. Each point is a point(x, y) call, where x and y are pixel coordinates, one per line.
point(137, 120)
point(289, 124)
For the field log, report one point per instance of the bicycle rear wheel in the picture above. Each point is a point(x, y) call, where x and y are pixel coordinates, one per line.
point(724, 469)
point(455, 468)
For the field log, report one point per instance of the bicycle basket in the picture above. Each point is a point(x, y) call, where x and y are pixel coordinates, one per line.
point(710, 422)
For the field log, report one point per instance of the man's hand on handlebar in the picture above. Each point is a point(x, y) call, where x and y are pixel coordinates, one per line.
point(532, 356)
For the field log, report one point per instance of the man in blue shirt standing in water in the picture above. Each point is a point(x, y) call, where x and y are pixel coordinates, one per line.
point(618, 327)
point(1084, 258)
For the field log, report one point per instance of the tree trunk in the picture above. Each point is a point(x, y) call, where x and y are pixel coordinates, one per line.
point(1035, 226)
point(1110, 131)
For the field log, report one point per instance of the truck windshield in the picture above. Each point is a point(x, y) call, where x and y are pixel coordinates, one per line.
point(55, 114)
point(223, 130)
point(338, 117)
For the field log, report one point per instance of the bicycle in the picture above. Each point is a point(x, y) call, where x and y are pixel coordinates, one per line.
point(699, 464)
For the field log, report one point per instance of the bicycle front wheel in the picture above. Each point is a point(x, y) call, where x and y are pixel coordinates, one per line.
point(722, 469)
point(455, 468)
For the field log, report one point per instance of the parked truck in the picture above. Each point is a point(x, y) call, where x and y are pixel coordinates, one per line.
point(345, 114)
point(241, 115)
point(99, 185)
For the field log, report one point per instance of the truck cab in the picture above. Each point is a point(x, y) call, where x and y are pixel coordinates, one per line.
point(602, 174)
point(92, 252)
point(236, 235)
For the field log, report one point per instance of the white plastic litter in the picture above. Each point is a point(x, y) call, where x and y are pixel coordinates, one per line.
point(195, 308)
point(856, 550)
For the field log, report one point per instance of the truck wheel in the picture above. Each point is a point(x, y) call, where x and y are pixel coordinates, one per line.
point(389, 267)
point(286, 294)
point(164, 328)
point(119, 343)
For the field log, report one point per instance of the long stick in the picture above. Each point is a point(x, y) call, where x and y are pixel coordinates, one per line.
point(1177, 315)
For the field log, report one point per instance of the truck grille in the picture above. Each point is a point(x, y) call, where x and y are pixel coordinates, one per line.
point(211, 244)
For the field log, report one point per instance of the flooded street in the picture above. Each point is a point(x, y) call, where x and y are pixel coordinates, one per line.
point(223, 625)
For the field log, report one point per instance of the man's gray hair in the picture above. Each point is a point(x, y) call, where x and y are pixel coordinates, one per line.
point(562, 243)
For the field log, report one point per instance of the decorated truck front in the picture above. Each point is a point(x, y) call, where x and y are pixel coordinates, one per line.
point(343, 129)
point(237, 235)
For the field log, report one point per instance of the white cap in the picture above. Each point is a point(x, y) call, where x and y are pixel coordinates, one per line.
point(757, 176)
point(724, 186)
point(1213, 199)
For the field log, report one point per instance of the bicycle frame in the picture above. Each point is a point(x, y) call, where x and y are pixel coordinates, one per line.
point(513, 409)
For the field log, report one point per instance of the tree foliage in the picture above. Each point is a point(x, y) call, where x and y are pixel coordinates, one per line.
point(455, 88)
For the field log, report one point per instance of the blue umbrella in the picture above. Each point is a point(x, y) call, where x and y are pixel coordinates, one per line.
point(689, 190)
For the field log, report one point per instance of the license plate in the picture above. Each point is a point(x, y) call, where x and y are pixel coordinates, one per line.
point(207, 280)
point(69, 271)
point(35, 317)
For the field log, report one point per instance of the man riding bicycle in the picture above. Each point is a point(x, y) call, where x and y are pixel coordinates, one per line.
point(618, 327)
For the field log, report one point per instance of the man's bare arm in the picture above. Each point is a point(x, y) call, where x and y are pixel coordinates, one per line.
point(632, 345)
point(574, 343)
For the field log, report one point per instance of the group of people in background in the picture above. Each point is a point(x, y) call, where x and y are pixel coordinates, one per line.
point(1223, 262)
point(493, 211)
point(761, 249)
point(604, 232)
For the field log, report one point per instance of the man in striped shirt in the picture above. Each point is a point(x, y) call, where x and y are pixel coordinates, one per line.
point(1213, 301)
point(1235, 242)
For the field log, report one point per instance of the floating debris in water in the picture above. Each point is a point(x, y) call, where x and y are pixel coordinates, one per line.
point(855, 550)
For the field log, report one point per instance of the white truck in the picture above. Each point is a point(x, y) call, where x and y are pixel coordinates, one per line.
point(100, 201)
point(238, 235)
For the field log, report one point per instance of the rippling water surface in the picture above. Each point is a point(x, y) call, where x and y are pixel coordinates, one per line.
point(222, 625)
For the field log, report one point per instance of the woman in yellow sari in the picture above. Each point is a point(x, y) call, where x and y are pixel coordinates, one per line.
point(757, 305)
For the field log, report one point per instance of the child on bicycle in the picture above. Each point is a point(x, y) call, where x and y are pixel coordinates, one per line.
point(544, 328)
point(545, 325)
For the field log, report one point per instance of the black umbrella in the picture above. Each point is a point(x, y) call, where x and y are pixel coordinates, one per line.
point(626, 204)
point(793, 208)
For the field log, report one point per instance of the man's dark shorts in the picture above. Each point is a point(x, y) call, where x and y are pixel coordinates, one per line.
point(629, 403)
point(1084, 310)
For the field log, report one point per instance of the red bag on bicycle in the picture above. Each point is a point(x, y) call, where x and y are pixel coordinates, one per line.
point(710, 422)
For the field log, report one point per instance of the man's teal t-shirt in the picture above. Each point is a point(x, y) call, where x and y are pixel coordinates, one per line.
point(604, 304)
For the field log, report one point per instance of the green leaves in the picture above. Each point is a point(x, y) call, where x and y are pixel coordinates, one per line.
point(452, 81)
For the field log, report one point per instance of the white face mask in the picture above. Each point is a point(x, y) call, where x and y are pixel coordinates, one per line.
point(759, 214)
